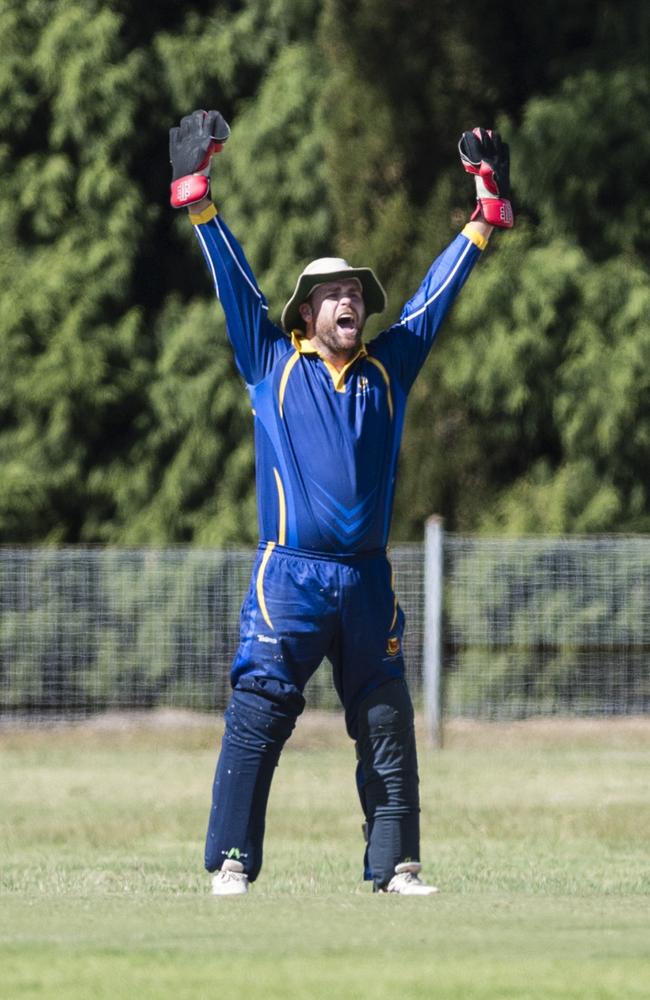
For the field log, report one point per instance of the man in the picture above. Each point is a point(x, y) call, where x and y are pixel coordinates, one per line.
point(329, 412)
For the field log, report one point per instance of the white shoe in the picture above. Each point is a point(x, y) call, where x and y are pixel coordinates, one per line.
point(231, 880)
point(406, 881)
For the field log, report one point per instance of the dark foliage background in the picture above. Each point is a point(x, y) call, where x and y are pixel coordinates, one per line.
point(122, 418)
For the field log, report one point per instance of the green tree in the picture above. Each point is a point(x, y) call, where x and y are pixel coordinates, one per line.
point(74, 358)
point(122, 416)
point(491, 439)
point(554, 378)
point(196, 479)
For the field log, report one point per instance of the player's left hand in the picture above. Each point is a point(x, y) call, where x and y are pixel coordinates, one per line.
point(191, 147)
point(483, 154)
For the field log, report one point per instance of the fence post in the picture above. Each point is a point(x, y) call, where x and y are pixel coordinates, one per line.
point(432, 653)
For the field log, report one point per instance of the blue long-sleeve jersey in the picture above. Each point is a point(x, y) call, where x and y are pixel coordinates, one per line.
point(327, 441)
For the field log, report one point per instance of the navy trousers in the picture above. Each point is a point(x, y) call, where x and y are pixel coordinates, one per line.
point(302, 608)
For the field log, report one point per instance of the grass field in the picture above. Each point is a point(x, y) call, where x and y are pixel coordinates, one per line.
point(537, 834)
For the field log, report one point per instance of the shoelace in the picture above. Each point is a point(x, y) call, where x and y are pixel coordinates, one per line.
point(228, 876)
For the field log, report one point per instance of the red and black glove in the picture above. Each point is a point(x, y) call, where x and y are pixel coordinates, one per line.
point(191, 147)
point(484, 154)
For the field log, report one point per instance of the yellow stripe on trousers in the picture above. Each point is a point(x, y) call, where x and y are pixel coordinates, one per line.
point(260, 584)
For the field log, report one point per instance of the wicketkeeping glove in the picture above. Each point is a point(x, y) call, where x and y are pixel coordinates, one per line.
point(484, 154)
point(191, 147)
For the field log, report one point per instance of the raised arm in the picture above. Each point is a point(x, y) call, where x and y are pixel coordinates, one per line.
point(407, 344)
point(256, 341)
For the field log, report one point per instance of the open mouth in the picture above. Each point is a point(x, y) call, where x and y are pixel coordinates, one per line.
point(346, 322)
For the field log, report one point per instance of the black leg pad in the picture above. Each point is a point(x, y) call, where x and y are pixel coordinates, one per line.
point(388, 780)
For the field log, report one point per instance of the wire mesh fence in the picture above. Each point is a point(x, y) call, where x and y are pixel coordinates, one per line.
point(94, 630)
point(546, 626)
point(529, 627)
point(89, 630)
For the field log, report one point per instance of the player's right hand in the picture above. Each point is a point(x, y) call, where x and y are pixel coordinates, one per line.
point(483, 154)
point(191, 147)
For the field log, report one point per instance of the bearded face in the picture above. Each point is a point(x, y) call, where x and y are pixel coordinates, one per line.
point(334, 317)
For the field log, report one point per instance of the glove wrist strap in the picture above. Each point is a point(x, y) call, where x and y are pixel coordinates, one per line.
point(189, 189)
point(494, 211)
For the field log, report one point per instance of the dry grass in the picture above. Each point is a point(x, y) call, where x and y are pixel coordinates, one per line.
point(326, 730)
point(536, 832)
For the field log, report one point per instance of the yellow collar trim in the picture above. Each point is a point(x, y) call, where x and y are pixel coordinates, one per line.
point(305, 346)
point(301, 344)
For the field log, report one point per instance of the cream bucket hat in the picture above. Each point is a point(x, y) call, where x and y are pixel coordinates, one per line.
point(329, 269)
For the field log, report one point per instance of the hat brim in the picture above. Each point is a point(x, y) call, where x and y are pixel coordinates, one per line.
point(374, 296)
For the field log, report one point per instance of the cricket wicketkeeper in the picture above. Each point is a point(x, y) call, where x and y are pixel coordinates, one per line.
point(329, 411)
